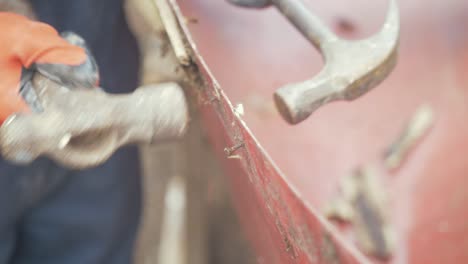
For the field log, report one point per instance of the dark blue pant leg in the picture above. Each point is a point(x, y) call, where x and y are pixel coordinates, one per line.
point(20, 189)
point(91, 217)
point(10, 208)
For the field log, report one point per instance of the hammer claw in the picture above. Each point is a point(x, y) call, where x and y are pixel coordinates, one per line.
point(352, 68)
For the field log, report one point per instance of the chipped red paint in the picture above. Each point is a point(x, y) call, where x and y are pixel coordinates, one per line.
point(253, 52)
point(288, 231)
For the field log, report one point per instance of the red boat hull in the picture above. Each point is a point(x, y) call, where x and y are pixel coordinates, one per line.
point(245, 55)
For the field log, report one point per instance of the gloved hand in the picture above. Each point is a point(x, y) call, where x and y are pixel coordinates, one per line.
point(38, 47)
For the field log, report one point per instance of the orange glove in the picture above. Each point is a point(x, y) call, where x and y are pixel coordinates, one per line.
point(25, 43)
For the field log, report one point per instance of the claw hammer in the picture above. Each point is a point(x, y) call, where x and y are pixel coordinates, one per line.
point(83, 128)
point(352, 68)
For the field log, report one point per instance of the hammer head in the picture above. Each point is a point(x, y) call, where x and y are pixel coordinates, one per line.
point(251, 3)
point(83, 128)
point(352, 68)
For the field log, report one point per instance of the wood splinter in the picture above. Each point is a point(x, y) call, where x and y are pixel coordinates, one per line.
point(416, 128)
point(173, 31)
point(363, 203)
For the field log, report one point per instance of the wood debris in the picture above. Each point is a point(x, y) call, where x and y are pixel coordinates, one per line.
point(416, 128)
point(363, 203)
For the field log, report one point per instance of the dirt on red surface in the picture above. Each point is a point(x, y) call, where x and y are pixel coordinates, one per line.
point(253, 52)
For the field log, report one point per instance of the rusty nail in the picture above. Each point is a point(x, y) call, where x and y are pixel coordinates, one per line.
point(229, 151)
